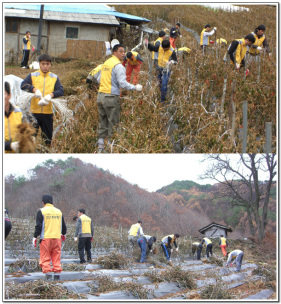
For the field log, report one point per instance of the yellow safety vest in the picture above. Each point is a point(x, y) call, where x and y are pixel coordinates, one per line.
point(165, 239)
point(96, 70)
point(134, 61)
point(164, 56)
point(52, 218)
point(155, 54)
point(106, 74)
point(241, 50)
point(258, 42)
point(86, 223)
point(223, 241)
point(134, 229)
point(11, 124)
point(208, 240)
point(203, 38)
point(45, 82)
point(27, 45)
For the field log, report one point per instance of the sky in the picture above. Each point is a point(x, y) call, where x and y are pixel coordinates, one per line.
point(150, 172)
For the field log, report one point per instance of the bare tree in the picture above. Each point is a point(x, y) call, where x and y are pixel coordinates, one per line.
point(240, 184)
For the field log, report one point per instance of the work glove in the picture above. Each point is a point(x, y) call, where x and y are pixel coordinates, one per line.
point(34, 242)
point(91, 239)
point(62, 238)
point(138, 87)
point(231, 264)
point(269, 55)
point(215, 28)
point(38, 94)
point(180, 36)
point(15, 146)
point(259, 48)
point(247, 72)
point(48, 97)
point(237, 66)
point(177, 249)
point(173, 62)
point(150, 250)
point(173, 32)
point(172, 250)
point(75, 239)
point(43, 102)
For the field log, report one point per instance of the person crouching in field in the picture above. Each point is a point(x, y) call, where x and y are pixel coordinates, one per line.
point(238, 255)
point(134, 62)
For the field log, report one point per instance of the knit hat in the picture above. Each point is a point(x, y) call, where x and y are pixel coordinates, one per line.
point(207, 25)
point(47, 199)
point(261, 27)
point(162, 34)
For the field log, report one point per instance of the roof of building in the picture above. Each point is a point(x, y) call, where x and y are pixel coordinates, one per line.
point(86, 12)
point(202, 230)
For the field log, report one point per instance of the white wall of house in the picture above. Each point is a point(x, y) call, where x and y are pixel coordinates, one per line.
point(215, 232)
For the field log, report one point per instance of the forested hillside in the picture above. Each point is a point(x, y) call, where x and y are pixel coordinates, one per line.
point(111, 201)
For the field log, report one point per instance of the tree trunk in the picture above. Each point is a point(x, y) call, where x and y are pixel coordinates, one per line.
point(252, 231)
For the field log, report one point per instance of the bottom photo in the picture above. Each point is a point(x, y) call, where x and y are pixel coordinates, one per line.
point(140, 227)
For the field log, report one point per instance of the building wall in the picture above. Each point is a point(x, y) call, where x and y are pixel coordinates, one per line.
point(215, 232)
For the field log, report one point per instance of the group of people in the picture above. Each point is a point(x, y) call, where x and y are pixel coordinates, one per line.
point(235, 255)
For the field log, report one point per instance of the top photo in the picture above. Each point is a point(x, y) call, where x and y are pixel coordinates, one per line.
point(98, 78)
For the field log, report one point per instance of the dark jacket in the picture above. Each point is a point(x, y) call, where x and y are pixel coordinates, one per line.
point(174, 33)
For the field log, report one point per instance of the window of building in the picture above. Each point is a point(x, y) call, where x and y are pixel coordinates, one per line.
point(71, 32)
point(12, 25)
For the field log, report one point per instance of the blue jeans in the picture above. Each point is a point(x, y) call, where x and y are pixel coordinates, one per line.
point(142, 245)
point(163, 79)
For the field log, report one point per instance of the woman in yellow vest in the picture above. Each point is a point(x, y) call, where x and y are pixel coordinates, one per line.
point(209, 245)
point(167, 243)
point(84, 232)
point(223, 244)
point(134, 62)
point(26, 45)
point(238, 48)
point(13, 117)
point(51, 228)
point(261, 41)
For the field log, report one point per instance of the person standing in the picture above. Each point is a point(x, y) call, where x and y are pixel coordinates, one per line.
point(205, 35)
point(261, 41)
point(45, 85)
point(167, 243)
point(8, 224)
point(209, 245)
point(174, 34)
point(134, 232)
point(223, 243)
point(145, 241)
point(113, 78)
point(51, 228)
point(84, 232)
point(134, 62)
point(26, 45)
point(157, 43)
point(238, 255)
point(196, 246)
point(13, 118)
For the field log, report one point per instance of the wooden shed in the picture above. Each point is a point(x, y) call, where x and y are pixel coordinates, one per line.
point(215, 230)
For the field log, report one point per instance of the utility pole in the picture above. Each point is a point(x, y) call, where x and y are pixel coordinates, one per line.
point(40, 30)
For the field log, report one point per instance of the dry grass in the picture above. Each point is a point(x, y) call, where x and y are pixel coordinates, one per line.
point(113, 260)
point(217, 292)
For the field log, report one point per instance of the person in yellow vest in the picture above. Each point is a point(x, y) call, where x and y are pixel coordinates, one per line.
point(84, 232)
point(134, 62)
point(134, 233)
point(166, 57)
point(209, 246)
point(144, 242)
point(238, 48)
point(205, 35)
point(157, 43)
point(51, 228)
point(197, 246)
point(260, 42)
point(238, 255)
point(167, 243)
point(45, 85)
point(113, 78)
point(223, 243)
point(13, 117)
point(93, 78)
point(26, 45)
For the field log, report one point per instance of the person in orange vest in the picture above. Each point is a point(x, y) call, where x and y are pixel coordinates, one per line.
point(85, 232)
point(134, 63)
point(13, 118)
point(26, 45)
point(51, 228)
point(174, 33)
point(167, 243)
point(223, 244)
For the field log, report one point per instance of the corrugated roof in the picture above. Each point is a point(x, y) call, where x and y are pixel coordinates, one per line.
point(95, 9)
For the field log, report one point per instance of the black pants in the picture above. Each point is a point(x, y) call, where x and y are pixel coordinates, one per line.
point(45, 122)
point(199, 252)
point(209, 249)
point(25, 58)
point(8, 227)
point(84, 243)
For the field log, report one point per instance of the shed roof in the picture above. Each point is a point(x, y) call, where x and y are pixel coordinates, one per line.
point(86, 12)
point(202, 230)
